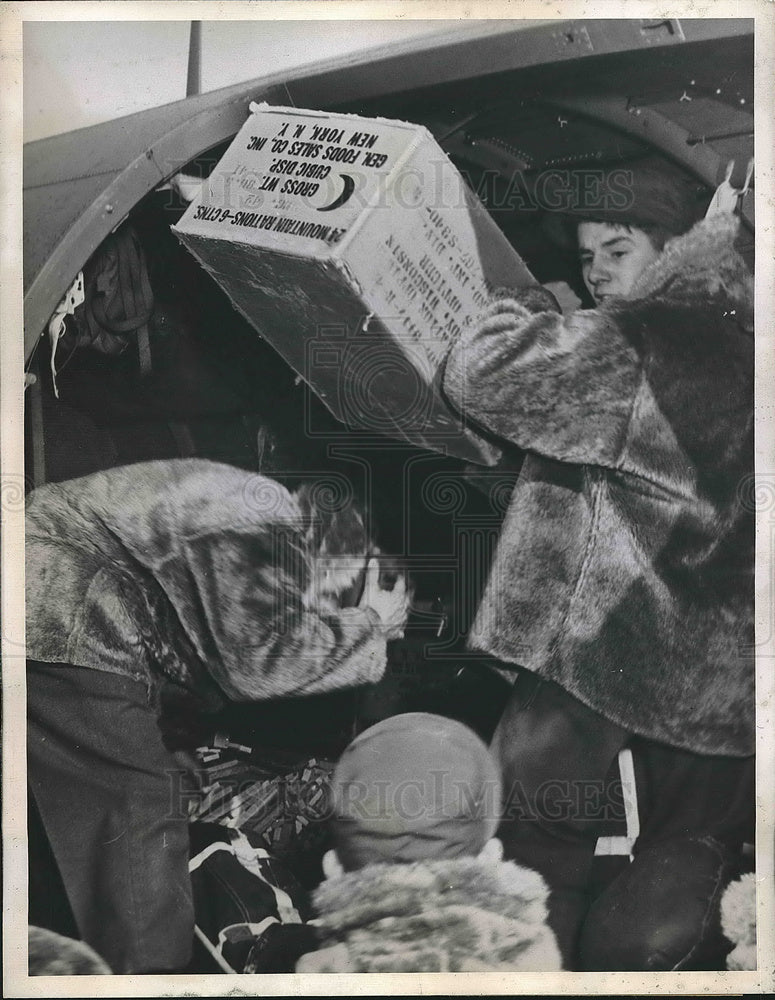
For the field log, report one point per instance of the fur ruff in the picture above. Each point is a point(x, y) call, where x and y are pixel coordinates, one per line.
point(52, 954)
point(701, 263)
point(738, 921)
point(458, 915)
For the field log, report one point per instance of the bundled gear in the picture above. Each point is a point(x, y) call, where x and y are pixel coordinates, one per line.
point(111, 303)
point(118, 298)
point(250, 911)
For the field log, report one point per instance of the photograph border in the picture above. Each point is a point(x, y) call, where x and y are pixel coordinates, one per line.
point(16, 981)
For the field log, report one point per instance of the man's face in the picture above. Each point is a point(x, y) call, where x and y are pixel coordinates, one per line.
point(612, 258)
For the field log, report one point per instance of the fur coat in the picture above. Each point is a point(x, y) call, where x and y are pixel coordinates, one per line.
point(187, 571)
point(458, 915)
point(624, 569)
point(51, 954)
point(738, 921)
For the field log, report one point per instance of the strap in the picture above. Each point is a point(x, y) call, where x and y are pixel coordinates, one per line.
point(213, 952)
point(37, 433)
point(199, 859)
point(249, 857)
point(72, 298)
point(56, 329)
point(144, 349)
point(726, 195)
point(253, 930)
point(607, 846)
point(185, 442)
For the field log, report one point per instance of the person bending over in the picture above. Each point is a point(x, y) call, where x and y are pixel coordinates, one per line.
point(153, 588)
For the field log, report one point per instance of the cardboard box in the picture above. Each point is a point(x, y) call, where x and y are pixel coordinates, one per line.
point(355, 247)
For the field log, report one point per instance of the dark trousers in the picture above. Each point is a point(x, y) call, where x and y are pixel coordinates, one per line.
point(112, 800)
point(562, 791)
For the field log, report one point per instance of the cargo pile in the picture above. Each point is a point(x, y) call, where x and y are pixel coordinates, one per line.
point(251, 796)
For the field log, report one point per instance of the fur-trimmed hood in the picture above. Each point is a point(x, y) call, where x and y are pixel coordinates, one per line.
point(702, 262)
point(459, 915)
point(189, 572)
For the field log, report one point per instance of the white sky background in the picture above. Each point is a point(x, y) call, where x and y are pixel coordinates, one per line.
point(81, 73)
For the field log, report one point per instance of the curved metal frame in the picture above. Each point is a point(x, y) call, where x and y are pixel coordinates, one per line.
point(113, 205)
point(664, 135)
point(354, 79)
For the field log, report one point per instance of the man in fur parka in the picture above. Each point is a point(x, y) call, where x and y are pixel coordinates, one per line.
point(156, 592)
point(623, 578)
